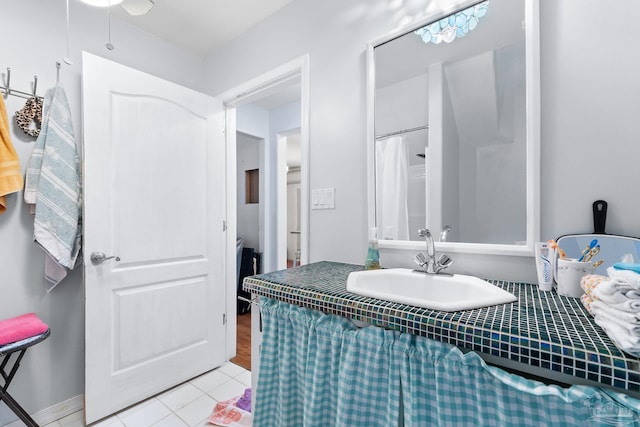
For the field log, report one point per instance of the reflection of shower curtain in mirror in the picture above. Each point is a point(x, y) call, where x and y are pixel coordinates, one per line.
point(392, 159)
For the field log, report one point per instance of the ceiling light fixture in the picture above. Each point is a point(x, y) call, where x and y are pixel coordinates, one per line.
point(450, 27)
point(102, 3)
point(133, 7)
point(137, 7)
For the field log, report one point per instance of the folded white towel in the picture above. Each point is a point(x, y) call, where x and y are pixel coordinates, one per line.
point(619, 336)
point(626, 317)
point(629, 330)
point(614, 286)
point(631, 293)
point(617, 300)
point(625, 331)
point(626, 277)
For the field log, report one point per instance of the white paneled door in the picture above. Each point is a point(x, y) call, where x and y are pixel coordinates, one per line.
point(154, 205)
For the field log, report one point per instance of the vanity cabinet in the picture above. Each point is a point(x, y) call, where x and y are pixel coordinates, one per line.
point(322, 370)
point(312, 350)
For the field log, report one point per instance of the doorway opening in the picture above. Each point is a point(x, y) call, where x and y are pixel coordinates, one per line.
point(249, 151)
point(267, 130)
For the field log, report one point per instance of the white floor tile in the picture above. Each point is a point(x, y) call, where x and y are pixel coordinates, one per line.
point(76, 423)
point(228, 390)
point(197, 411)
point(203, 423)
point(189, 404)
point(180, 396)
point(73, 420)
point(244, 378)
point(146, 415)
point(113, 421)
point(231, 369)
point(210, 380)
point(136, 407)
point(171, 421)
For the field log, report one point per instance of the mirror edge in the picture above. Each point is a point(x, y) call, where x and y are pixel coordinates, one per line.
point(532, 41)
point(370, 76)
point(458, 247)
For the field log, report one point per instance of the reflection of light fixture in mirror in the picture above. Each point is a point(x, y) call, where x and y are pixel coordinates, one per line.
point(452, 26)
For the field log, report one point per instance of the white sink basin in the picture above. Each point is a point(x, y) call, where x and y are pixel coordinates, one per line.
point(438, 292)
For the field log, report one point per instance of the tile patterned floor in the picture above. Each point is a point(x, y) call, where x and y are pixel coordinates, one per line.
point(187, 405)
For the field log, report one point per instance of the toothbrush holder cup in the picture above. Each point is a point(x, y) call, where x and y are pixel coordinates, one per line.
point(569, 272)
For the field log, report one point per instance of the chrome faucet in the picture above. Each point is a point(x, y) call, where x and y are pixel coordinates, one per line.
point(428, 262)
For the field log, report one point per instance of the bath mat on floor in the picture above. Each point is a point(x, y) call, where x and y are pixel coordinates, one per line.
point(234, 412)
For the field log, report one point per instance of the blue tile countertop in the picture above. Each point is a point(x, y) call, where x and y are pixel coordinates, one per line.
point(541, 329)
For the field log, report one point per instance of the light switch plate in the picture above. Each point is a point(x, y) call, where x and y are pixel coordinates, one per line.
point(323, 198)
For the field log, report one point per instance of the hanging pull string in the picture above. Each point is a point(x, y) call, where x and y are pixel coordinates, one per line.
point(68, 60)
point(108, 44)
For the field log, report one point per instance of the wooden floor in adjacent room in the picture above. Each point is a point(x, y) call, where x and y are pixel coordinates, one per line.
point(243, 341)
point(243, 336)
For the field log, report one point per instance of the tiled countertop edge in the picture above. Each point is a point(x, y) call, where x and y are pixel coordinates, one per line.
point(497, 344)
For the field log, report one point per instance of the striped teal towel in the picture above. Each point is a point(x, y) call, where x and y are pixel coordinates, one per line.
point(53, 185)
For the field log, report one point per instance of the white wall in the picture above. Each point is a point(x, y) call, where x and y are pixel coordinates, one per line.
point(589, 110)
point(248, 149)
point(32, 39)
point(590, 92)
point(253, 120)
point(284, 119)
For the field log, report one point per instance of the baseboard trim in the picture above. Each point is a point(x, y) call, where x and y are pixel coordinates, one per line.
point(55, 412)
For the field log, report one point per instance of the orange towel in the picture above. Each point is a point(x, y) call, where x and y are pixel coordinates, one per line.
point(10, 176)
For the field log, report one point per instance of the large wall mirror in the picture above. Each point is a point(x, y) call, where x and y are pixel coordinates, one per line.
point(453, 116)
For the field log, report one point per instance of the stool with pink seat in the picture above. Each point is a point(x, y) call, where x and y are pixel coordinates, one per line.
point(17, 334)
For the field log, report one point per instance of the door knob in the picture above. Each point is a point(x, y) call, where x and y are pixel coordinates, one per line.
point(98, 258)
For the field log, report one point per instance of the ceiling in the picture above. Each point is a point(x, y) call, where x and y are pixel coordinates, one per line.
point(201, 25)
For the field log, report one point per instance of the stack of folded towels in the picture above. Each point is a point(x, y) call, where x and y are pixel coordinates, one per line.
point(614, 302)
